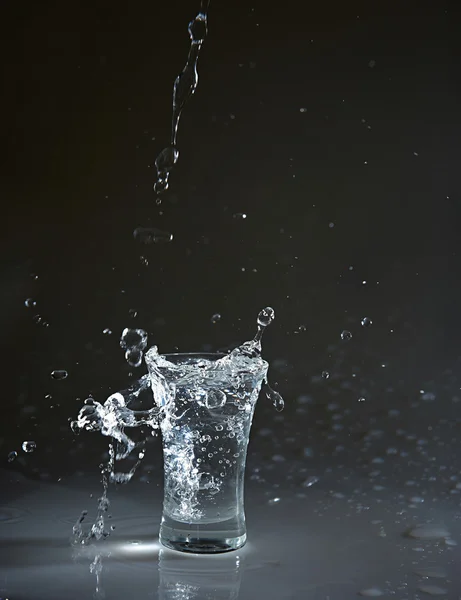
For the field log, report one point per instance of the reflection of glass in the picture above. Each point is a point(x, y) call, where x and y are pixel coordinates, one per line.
point(208, 403)
point(199, 578)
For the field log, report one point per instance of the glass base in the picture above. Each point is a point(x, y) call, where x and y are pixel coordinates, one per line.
point(209, 538)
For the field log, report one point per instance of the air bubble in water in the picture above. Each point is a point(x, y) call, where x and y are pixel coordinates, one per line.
point(325, 374)
point(12, 456)
point(59, 374)
point(30, 302)
point(29, 446)
point(151, 235)
point(346, 335)
point(366, 322)
point(215, 318)
point(216, 399)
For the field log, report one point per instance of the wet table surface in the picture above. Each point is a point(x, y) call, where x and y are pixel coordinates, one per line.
point(335, 130)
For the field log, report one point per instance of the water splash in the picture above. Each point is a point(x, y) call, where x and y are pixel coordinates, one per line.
point(184, 87)
point(127, 409)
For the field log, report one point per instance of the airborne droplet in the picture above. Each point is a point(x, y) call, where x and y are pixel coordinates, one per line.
point(29, 446)
point(151, 235)
point(366, 322)
point(59, 374)
point(346, 335)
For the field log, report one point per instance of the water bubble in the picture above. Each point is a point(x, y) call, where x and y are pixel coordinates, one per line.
point(30, 302)
point(216, 318)
point(12, 456)
point(216, 399)
point(59, 374)
point(266, 316)
point(29, 446)
point(346, 335)
point(151, 235)
point(107, 331)
point(366, 322)
point(325, 375)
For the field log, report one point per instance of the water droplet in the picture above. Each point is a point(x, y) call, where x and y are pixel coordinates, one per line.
point(133, 338)
point(310, 481)
point(266, 316)
point(216, 318)
point(429, 531)
point(12, 456)
point(432, 590)
point(366, 322)
point(198, 28)
point(107, 331)
point(37, 319)
point(151, 235)
point(30, 303)
point(346, 335)
point(275, 397)
point(435, 572)
point(133, 313)
point(325, 374)
point(239, 216)
point(59, 374)
point(273, 501)
point(133, 357)
point(372, 64)
point(29, 446)
point(373, 592)
point(361, 399)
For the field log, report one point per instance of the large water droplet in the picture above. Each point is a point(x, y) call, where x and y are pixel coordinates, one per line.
point(275, 397)
point(134, 357)
point(12, 456)
point(59, 374)
point(29, 446)
point(346, 335)
point(133, 338)
point(198, 28)
point(266, 316)
point(151, 235)
point(30, 302)
point(366, 322)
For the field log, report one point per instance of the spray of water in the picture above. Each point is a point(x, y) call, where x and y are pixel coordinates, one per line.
point(119, 410)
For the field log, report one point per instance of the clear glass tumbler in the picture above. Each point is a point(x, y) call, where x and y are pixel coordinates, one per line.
point(207, 409)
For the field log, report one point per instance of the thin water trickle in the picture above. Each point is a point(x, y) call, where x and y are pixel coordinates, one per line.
point(184, 87)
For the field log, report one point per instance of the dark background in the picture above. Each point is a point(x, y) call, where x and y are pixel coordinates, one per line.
point(375, 151)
